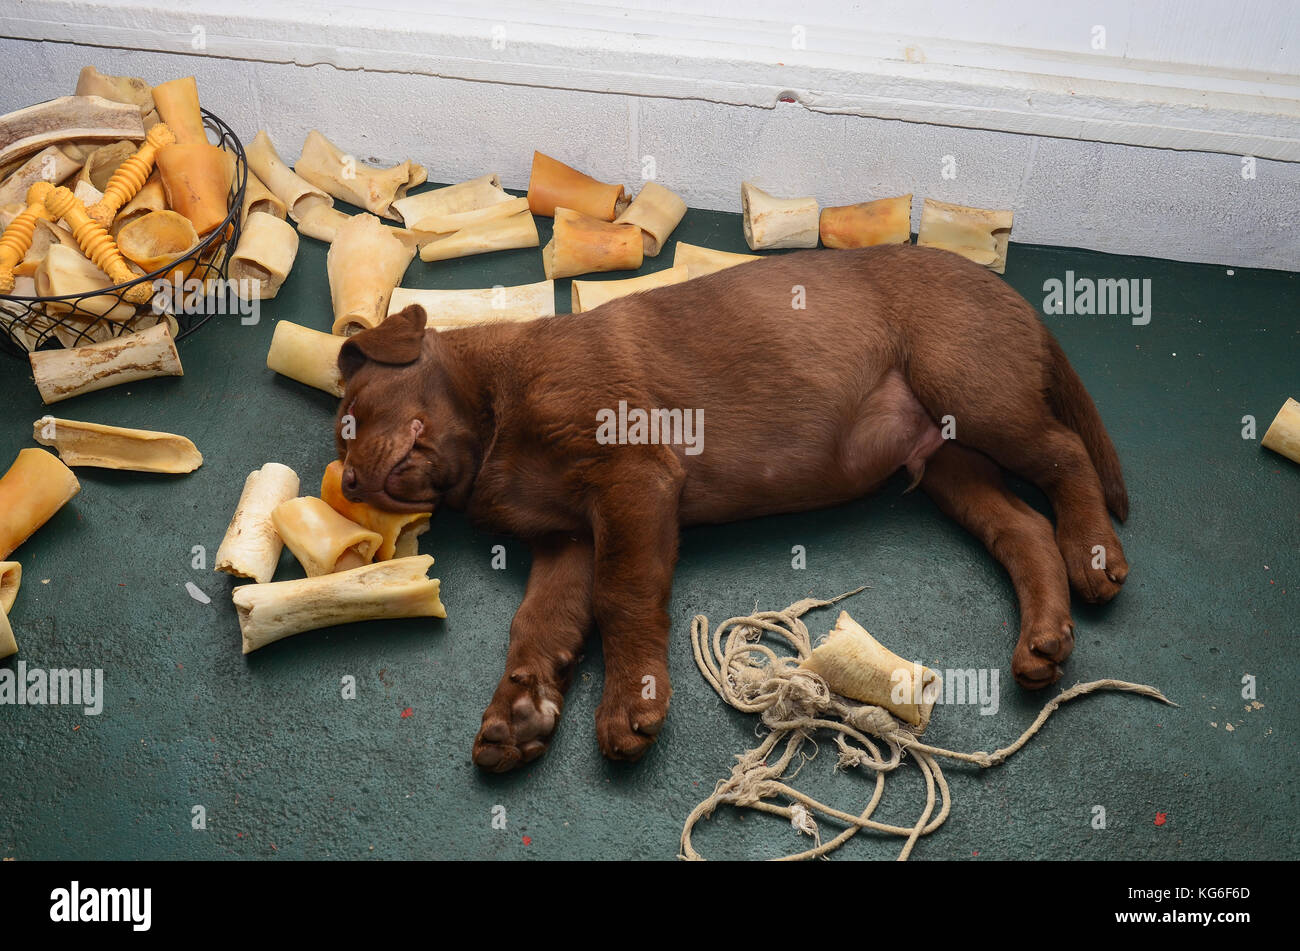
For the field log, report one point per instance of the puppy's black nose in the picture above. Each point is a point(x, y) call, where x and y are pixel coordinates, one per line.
point(350, 484)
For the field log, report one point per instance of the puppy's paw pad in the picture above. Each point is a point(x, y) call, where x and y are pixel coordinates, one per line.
point(518, 723)
point(627, 728)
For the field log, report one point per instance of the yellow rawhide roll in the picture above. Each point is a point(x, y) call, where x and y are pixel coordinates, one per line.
point(365, 262)
point(306, 355)
point(265, 256)
point(61, 374)
point(298, 195)
point(114, 447)
point(979, 234)
point(322, 539)
point(36, 486)
point(400, 531)
point(197, 181)
point(257, 197)
point(855, 665)
point(327, 167)
point(150, 198)
point(177, 102)
point(700, 261)
point(251, 547)
point(474, 195)
point(11, 576)
point(499, 234)
point(447, 309)
point(588, 295)
point(1283, 435)
point(581, 244)
point(555, 185)
point(323, 224)
point(656, 211)
point(390, 589)
point(432, 225)
point(883, 221)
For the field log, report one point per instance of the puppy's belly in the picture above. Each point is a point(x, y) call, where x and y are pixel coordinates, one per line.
point(809, 461)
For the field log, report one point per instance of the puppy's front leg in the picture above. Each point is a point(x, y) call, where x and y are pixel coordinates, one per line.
point(636, 549)
point(546, 637)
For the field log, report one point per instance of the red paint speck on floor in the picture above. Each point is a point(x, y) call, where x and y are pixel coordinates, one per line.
point(1160, 818)
point(407, 713)
point(528, 840)
point(976, 853)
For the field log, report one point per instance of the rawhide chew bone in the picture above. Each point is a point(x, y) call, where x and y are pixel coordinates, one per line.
point(306, 355)
point(17, 238)
point(700, 261)
point(59, 120)
point(327, 167)
point(257, 197)
point(321, 539)
point(556, 185)
point(61, 374)
point(151, 197)
point(856, 665)
point(251, 547)
point(298, 195)
point(1283, 434)
point(51, 165)
point(656, 211)
point(390, 589)
point(777, 222)
point(132, 89)
point(588, 295)
point(476, 194)
point(399, 531)
point(101, 164)
point(447, 224)
point(11, 576)
point(581, 244)
point(447, 309)
point(66, 270)
point(95, 242)
point(154, 240)
point(979, 234)
point(365, 262)
point(36, 486)
point(497, 234)
point(113, 447)
point(883, 221)
point(323, 223)
point(197, 179)
point(130, 176)
point(177, 102)
point(267, 249)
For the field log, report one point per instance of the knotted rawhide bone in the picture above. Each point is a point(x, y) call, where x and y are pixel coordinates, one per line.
point(777, 222)
point(390, 589)
point(115, 447)
point(11, 576)
point(252, 546)
point(306, 355)
point(883, 221)
point(98, 245)
point(556, 185)
point(400, 531)
point(36, 486)
point(1283, 435)
point(326, 166)
point(18, 236)
point(62, 374)
point(130, 176)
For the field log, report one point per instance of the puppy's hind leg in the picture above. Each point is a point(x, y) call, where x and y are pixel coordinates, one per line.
point(968, 487)
point(546, 637)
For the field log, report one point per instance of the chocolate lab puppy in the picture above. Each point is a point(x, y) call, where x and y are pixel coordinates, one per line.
point(793, 410)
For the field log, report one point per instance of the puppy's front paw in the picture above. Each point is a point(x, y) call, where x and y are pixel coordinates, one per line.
point(518, 723)
point(631, 715)
point(1042, 648)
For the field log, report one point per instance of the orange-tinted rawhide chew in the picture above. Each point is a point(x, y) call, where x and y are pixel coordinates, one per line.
point(97, 244)
point(130, 176)
point(18, 236)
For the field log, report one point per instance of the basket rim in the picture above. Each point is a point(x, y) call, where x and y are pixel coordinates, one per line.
point(236, 208)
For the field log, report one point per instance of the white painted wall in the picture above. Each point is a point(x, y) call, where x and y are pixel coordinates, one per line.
point(1060, 134)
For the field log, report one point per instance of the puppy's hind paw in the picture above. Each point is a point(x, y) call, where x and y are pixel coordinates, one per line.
point(518, 723)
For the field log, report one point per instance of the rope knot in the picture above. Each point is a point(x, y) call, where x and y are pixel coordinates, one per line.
point(871, 719)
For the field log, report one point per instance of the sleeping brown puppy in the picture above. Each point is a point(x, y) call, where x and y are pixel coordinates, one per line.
point(789, 410)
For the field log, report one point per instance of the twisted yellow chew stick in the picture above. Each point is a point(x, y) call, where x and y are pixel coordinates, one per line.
point(97, 244)
point(18, 236)
point(130, 176)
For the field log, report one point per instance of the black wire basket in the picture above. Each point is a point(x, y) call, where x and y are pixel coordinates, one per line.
point(73, 320)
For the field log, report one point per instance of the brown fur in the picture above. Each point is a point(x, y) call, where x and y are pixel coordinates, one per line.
point(802, 409)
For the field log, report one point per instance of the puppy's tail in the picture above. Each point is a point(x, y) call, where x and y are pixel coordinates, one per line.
point(1074, 407)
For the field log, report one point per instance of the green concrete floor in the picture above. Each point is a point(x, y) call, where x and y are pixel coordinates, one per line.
point(285, 768)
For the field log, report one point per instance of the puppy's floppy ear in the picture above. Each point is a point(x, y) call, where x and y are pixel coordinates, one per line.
point(395, 341)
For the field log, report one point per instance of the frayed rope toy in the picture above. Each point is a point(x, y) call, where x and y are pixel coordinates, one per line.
point(795, 696)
